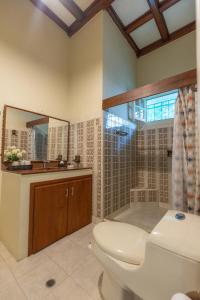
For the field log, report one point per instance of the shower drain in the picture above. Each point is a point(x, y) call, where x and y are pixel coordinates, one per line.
point(50, 283)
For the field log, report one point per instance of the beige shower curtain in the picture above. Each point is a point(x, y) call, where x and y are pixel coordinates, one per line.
point(185, 160)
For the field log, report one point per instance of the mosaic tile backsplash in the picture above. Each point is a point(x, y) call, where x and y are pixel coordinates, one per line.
point(86, 141)
point(136, 166)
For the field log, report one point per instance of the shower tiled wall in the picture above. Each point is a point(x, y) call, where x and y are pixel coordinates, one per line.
point(136, 167)
point(86, 141)
point(153, 164)
point(118, 160)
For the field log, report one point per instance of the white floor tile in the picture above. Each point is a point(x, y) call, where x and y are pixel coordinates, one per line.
point(67, 254)
point(87, 276)
point(69, 290)
point(26, 265)
point(11, 291)
point(34, 282)
point(5, 274)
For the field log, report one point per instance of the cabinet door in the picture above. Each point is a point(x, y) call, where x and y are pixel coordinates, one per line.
point(79, 204)
point(49, 215)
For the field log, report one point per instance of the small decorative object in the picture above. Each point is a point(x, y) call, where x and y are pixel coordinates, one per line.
point(61, 163)
point(14, 156)
point(77, 159)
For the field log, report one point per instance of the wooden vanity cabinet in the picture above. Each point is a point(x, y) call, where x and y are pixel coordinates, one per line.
point(58, 208)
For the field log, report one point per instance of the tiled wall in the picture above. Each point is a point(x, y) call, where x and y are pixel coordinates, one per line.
point(118, 159)
point(86, 141)
point(57, 142)
point(136, 167)
point(21, 139)
point(153, 164)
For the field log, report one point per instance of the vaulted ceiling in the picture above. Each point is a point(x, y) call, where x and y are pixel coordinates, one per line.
point(146, 24)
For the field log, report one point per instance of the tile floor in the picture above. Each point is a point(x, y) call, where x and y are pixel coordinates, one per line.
point(145, 217)
point(69, 261)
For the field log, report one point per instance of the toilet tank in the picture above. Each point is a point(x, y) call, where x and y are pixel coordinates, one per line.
point(178, 233)
point(172, 259)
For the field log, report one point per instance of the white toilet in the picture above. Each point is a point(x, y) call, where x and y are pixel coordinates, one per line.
point(155, 266)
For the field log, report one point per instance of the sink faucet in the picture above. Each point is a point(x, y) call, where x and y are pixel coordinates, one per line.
point(45, 162)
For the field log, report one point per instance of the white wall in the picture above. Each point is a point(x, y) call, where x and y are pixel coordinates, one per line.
point(85, 72)
point(33, 67)
point(174, 58)
point(119, 60)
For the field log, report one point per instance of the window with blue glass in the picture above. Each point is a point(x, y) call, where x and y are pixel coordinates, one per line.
point(157, 108)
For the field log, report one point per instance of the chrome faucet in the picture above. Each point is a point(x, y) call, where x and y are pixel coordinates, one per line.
point(45, 162)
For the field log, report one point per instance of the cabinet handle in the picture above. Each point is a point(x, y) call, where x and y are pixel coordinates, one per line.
point(66, 192)
point(72, 191)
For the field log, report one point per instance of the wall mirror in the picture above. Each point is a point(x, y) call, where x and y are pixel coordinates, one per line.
point(42, 137)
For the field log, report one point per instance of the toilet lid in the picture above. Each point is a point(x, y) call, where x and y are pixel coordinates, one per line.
point(122, 241)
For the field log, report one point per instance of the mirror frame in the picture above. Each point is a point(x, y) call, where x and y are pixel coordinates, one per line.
point(5, 109)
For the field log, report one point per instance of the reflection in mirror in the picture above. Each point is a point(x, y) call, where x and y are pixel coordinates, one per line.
point(42, 137)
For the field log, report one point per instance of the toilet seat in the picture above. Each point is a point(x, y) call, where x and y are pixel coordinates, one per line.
point(121, 241)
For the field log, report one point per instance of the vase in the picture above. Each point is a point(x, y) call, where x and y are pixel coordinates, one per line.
point(15, 163)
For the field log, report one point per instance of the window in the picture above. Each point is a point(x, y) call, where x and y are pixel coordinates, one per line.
point(156, 108)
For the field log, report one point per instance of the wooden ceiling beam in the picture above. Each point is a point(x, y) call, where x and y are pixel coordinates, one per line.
point(48, 12)
point(73, 8)
point(88, 14)
point(121, 27)
point(159, 19)
point(149, 16)
point(173, 36)
point(164, 5)
point(139, 21)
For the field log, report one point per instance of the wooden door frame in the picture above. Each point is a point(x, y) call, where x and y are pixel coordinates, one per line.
point(175, 82)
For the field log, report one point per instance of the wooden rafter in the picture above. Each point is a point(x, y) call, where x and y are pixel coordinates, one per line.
point(149, 16)
point(48, 12)
point(119, 24)
point(73, 8)
point(89, 13)
point(159, 19)
point(173, 36)
point(167, 4)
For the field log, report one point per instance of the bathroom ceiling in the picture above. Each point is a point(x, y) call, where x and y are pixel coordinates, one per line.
point(146, 24)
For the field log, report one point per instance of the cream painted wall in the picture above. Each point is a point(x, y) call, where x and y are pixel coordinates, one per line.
point(119, 60)
point(85, 72)
point(171, 59)
point(33, 59)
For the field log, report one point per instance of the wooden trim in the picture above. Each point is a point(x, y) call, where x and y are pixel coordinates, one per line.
point(3, 135)
point(149, 16)
point(139, 21)
point(172, 37)
point(174, 82)
point(32, 198)
point(89, 13)
point(119, 24)
point(41, 121)
point(164, 5)
point(48, 12)
point(159, 19)
point(73, 8)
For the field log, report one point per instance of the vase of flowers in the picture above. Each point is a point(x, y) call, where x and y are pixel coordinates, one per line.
point(14, 155)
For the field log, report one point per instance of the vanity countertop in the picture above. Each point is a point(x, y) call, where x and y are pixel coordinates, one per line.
point(47, 170)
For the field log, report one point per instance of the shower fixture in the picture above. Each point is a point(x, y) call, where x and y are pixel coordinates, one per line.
point(121, 132)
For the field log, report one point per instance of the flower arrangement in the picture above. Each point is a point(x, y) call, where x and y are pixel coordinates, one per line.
point(13, 154)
